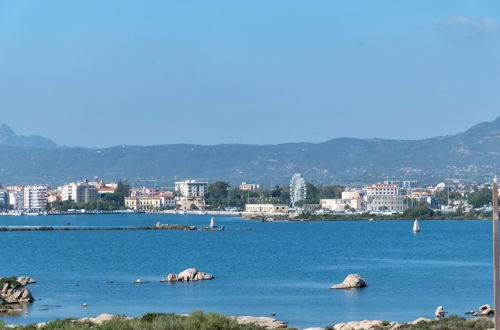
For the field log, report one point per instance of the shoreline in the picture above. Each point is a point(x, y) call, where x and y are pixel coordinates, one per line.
point(118, 321)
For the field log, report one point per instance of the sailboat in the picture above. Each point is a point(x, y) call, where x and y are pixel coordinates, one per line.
point(212, 223)
point(416, 227)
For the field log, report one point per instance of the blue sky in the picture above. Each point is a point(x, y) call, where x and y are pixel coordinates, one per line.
point(101, 73)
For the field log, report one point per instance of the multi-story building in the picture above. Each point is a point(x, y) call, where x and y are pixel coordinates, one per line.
point(79, 192)
point(384, 197)
point(4, 199)
point(16, 197)
point(382, 189)
point(342, 204)
point(266, 208)
point(191, 188)
point(35, 197)
point(150, 203)
point(249, 186)
point(143, 203)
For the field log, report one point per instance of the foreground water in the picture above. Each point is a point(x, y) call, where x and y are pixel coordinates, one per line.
point(283, 268)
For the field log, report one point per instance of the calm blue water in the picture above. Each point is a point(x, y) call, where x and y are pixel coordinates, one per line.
point(282, 268)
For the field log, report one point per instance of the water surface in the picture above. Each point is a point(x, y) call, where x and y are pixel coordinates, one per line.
point(283, 268)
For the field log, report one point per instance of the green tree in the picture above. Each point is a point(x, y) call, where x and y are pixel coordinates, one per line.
point(481, 197)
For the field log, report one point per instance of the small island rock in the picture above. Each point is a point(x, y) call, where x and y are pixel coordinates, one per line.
point(352, 281)
point(188, 275)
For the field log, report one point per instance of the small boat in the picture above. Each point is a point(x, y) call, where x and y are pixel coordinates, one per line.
point(416, 227)
point(212, 223)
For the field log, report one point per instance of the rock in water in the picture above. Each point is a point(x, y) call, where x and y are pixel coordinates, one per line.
point(13, 295)
point(25, 280)
point(187, 275)
point(190, 274)
point(352, 281)
point(486, 310)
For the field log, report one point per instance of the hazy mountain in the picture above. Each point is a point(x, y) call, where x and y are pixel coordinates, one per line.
point(474, 154)
point(9, 138)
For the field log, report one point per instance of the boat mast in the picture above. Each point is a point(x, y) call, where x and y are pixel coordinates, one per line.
point(495, 253)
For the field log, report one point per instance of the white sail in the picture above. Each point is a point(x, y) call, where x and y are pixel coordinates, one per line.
point(416, 227)
point(212, 223)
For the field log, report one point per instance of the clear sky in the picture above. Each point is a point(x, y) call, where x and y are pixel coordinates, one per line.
point(101, 73)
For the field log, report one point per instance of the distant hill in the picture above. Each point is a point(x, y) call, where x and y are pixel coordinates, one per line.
point(474, 154)
point(11, 139)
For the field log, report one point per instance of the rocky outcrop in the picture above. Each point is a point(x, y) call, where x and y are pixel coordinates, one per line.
point(188, 275)
point(14, 295)
point(266, 322)
point(25, 280)
point(440, 312)
point(420, 319)
point(366, 325)
point(352, 281)
point(486, 310)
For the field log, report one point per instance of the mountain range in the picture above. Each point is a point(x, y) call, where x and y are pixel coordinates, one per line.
point(471, 155)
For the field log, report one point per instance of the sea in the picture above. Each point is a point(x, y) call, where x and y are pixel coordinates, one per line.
point(261, 268)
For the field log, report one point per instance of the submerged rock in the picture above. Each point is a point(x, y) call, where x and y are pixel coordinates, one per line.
point(188, 275)
point(352, 281)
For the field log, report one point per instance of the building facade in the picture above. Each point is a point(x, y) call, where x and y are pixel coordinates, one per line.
point(191, 188)
point(266, 208)
point(35, 197)
point(79, 192)
point(249, 186)
point(4, 199)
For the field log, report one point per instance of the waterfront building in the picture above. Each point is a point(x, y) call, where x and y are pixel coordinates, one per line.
point(150, 203)
point(385, 197)
point(191, 188)
point(386, 203)
point(343, 204)
point(144, 191)
point(16, 197)
point(266, 208)
point(384, 189)
point(249, 186)
point(79, 192)
point(188, 203)
point(143, 203)
point(4, 199)
point(35, 197)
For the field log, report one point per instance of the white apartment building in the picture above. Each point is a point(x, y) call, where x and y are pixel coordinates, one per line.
point(35, 197)
point(191, 188)
point(16, 197)
point(266, 208)
point(79, 192)
point(249, 186)
point(384, 197)
point(382, 189)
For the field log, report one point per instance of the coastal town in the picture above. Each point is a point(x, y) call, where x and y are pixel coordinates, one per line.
point(299, 198)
